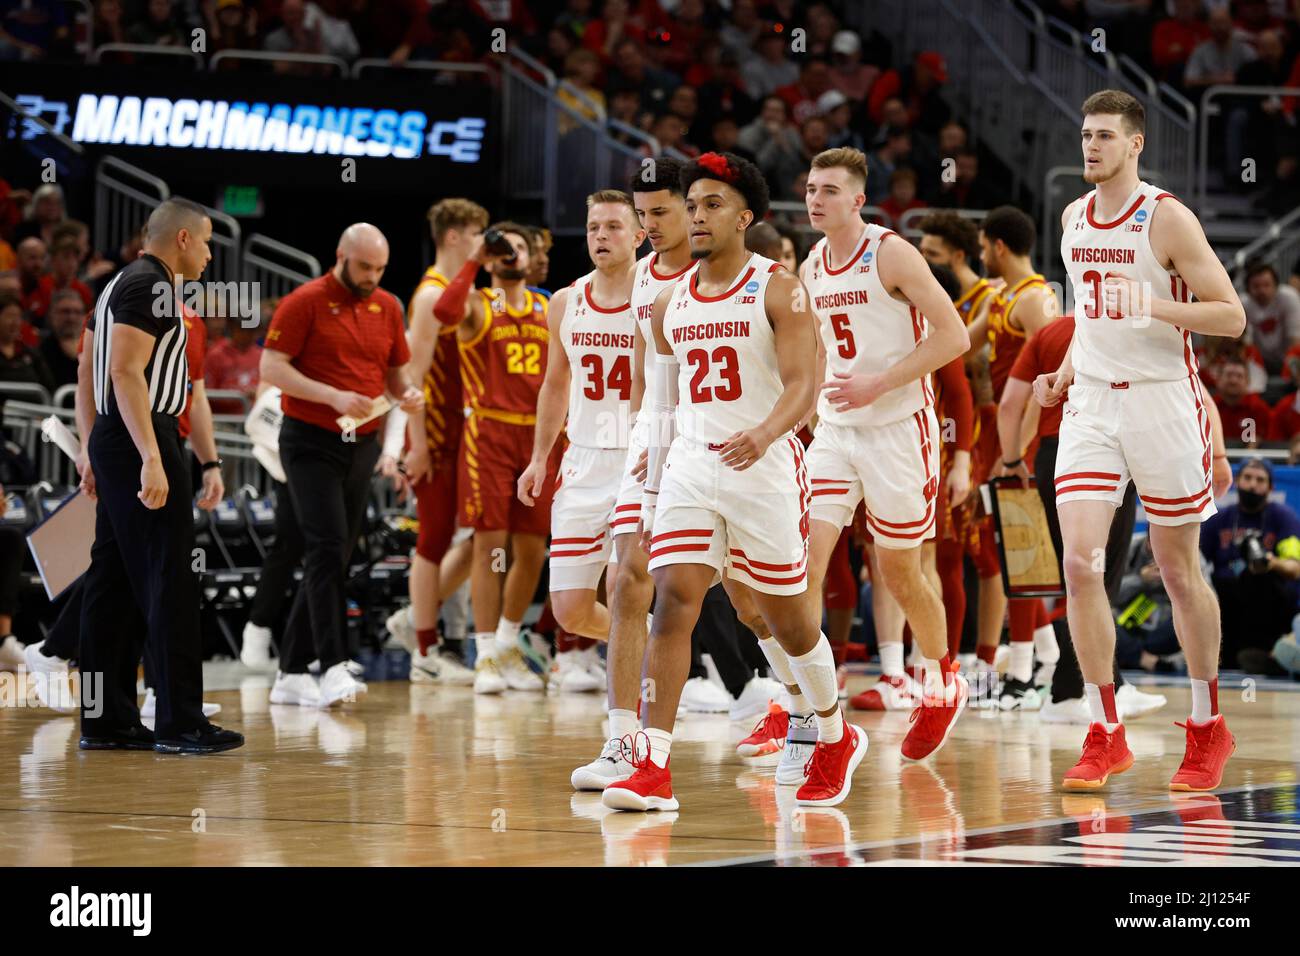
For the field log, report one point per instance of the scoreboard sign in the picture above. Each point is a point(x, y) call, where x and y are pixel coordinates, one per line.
point(258, 127)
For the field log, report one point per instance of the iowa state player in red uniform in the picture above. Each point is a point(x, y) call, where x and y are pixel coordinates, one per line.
point(1136, 256)
point(503, 339)
point(433, 443)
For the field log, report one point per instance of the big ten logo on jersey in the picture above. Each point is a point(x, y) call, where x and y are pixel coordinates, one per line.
point(1139, 217)
point(747, 296)
point(865, 264)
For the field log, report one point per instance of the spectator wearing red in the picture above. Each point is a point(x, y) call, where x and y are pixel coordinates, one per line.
point(918, 87)
point(616, 22)
point(1284, 424)
point(849, 74)
point(1174, 38)
point(232, 365)
point(1216, 350)
point(62, 275)
point(902, 194)
point(19, 362)
point(1247, 418)
point(802, 95)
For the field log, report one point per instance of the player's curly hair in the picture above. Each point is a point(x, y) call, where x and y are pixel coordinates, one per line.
point(654, 174)
point(958, 232)
point(740, 174)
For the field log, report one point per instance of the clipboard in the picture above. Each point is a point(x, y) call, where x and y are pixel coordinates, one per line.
point(60, 544)
point(380, 405)
point(1030, 566)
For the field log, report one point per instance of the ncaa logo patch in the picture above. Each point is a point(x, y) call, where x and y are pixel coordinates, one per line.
point(751, 285)
point(1140, 215)
point(866, 257)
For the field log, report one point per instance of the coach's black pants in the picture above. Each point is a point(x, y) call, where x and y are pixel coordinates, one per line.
point(329, 483)
point(1067, 679)
point(280, 563)
point(141, 559)
point(733, 647)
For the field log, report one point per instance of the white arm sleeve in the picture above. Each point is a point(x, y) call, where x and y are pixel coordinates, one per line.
point(662, 391)
point(394, 433)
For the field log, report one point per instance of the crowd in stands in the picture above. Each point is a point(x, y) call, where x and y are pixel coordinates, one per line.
point(50, 277)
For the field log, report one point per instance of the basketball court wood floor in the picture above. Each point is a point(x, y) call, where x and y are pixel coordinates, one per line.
point(422, 775)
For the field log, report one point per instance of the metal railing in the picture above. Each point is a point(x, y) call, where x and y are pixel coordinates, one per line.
point(528, 115)
point(442, 69)
point(1209, 109)
point(172, 54)
point(262, 56)
point(1279, 246)
point(277, 268)
point(124, 197)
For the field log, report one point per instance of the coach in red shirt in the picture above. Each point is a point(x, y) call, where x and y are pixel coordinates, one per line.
point(336, 344)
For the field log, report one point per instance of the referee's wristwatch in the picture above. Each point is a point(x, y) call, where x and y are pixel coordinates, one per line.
point(215, 463)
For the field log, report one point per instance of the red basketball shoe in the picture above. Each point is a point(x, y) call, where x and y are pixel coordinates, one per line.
point(769, 733)
point(830, 769)
point(933, 720)
point(1209, 745)
point(649, 788)
point(1103, 754)
point(899, 692)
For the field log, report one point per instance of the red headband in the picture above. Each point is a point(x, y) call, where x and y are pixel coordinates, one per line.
point(717, 164)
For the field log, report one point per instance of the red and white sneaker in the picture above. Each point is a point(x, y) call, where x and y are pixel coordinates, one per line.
point(830, 769)
point(1209, 745)
point(899, 692)
point(933, 720)
point(1103, 754)
point(769, 733)
point(649, 788)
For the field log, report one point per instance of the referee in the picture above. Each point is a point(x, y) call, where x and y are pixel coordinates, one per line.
point(336, 345)
point(144, 526)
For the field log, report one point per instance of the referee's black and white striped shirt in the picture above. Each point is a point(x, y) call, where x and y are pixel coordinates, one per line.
point(136, 297)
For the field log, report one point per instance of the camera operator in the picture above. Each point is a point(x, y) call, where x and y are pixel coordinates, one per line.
point(1254, 548)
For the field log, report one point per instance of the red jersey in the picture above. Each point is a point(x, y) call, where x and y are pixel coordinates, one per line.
point(1005, 340)
point(1044, 353)
point(1247, 420)
point(38, 302)
point(502, 367)
point(196, 347)
point(444, 397)
point(341, 340)
point(1286, 418)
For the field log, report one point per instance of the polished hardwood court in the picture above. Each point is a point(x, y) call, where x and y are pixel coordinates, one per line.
point(424, 775)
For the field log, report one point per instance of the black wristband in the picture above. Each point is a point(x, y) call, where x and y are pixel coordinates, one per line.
point(1012, 464)
point(208, 466)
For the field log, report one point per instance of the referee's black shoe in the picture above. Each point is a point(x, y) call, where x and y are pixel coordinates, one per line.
point(138, 737)
point(208, 739)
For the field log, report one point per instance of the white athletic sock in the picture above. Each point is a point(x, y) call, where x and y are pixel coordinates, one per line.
point(891, 659)
point(935, 687)
point(815, 674)
point(779, 662)
point(1021, 665)
point(661, 746)
point(485, 643)
point(1200, 701)
point(622, 723)
point(1097, 709)
point(1045, 647)
point(507, 634)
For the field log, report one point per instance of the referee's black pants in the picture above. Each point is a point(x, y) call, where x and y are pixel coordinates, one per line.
point(141, 558)
point(1067, 679)
point(329, 483)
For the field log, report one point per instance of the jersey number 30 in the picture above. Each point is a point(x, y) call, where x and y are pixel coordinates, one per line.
point(620, 377)
point(1094, 307)
point(727, 364)
point(523, 358)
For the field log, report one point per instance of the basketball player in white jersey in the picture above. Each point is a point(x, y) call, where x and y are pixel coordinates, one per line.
point(885, 324)
point(589, 371)
point(661, 210)
point(1136, 256)
point(736, 342)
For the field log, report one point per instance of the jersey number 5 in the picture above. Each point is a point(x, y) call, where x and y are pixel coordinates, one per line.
point(620, 377)
point(843, 335)
point(1093, 307)
point(728, 367)
point(523, 358)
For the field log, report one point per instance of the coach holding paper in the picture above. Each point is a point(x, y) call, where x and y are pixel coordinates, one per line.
point(335, 345)
point(143, 554)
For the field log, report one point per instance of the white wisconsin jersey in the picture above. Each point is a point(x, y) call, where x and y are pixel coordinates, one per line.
point(647, 283)
point(599, 344)
point(864, 329)
point(728, 379)
point(1123, 348)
